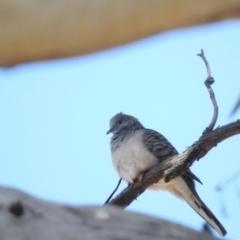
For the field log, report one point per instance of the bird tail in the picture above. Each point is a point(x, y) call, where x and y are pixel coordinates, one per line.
point(193, 199)
point(183, 187)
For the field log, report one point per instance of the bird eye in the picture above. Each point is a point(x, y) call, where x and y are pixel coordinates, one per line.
point(120, 122)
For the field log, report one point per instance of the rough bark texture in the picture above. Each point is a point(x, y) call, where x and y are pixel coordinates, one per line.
point(33, 30)
point(25, 217)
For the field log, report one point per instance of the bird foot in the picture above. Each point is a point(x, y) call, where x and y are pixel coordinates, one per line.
point(140, 177)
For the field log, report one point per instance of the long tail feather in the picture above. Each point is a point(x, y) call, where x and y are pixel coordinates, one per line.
point(183, 187)
point(200, 207)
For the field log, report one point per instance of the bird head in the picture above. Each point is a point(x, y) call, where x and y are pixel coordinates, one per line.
point(121, 122)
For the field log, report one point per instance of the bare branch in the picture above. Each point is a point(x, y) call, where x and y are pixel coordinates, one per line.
point(208, 82)
point(206, 63)
point(172, 173)
point(177, 165)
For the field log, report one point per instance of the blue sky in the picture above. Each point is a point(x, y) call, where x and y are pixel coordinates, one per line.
point(55, 114)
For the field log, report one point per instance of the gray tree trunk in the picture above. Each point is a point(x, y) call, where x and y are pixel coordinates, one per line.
point(23, 217)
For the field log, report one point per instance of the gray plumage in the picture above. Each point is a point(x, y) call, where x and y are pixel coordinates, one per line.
point(136, 149)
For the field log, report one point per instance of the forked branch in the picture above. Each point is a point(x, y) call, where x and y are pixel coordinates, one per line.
point(177, 165)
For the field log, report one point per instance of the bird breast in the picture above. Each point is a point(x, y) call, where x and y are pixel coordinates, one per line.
point(131, 158)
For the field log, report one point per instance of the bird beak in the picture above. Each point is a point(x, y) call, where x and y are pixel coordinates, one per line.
point(110, 130)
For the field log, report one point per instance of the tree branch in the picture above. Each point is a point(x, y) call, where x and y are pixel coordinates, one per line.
point(177, 165)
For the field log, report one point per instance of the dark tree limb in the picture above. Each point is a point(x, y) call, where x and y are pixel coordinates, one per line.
point(177, 165)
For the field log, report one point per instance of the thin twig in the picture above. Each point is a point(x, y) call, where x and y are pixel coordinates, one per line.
point(206, 63)
point(175, 170)
point(109, 198)
point(208, 82)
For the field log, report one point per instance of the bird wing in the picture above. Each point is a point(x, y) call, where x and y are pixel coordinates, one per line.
point(158, 145)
